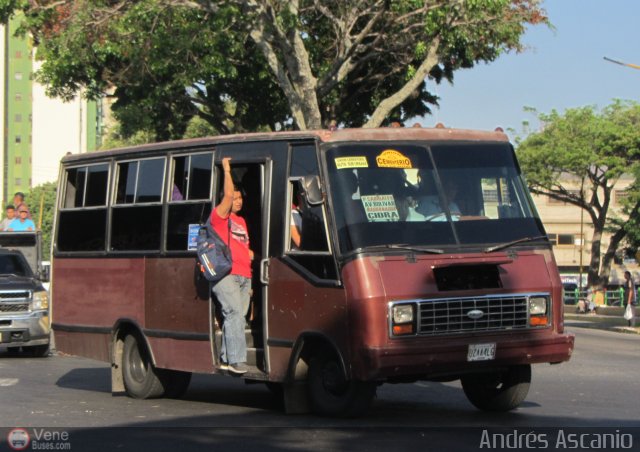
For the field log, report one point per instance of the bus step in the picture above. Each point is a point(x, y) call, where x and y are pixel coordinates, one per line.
point(254, 338)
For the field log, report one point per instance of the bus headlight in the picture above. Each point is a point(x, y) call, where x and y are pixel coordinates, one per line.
point(403, 314)
point(40, 301)
point(538, 311)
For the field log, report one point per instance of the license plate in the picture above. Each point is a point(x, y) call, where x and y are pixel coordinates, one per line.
point(481, 352)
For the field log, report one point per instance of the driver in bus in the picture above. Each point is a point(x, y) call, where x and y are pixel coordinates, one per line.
point(429, 202)
point(233, 291)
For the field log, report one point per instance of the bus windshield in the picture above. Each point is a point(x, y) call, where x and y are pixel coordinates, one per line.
point(458, 195)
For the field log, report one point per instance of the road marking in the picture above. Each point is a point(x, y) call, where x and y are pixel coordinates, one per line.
point(8, 381)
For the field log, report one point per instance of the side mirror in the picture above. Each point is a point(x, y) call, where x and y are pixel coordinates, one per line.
point(43, 274)
point(311, 190)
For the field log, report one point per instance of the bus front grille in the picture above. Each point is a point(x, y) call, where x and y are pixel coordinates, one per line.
point(460, 315)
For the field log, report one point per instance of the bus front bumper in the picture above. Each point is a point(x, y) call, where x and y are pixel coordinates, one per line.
point(442, 357)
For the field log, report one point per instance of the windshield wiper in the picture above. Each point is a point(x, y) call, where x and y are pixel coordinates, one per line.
point(502, 246)
point(404, 246)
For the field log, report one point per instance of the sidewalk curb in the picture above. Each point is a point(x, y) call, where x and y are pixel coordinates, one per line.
point(600, 322)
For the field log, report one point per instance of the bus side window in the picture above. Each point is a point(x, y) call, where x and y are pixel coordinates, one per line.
point(307, 226)
point(306, 240)
point(189, 195)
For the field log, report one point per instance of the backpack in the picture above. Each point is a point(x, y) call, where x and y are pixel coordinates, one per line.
point(214, 255)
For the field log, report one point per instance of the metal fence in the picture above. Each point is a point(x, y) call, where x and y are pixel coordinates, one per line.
point(611, 297)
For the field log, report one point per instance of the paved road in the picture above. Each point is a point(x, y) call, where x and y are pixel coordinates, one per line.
point(597, 388)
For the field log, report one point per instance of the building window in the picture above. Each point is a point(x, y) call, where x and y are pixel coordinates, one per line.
point(18, 182)
point(18, 75)
point(18, 160)
point(564, 239)
point(18, 118)
point(18, 139)
point(18, 97)
point(18, 54)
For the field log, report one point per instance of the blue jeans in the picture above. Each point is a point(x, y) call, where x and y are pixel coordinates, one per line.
point(232, 292)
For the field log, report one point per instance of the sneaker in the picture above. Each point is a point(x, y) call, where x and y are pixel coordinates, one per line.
point(223, 366)
point(238, 368)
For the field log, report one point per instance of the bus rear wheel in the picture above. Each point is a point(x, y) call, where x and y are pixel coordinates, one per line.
point(498, 391)
point(140, 377)
point(331, 393)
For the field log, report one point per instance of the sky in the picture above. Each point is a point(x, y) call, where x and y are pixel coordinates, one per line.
point(562, 68)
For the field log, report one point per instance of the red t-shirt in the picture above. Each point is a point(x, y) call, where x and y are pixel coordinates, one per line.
point(238, 239)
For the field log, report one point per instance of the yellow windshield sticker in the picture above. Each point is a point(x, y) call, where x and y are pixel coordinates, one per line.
point(351, 162)
point(393, 159)
point(380, 208)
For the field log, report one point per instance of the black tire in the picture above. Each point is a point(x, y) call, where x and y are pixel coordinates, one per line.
point(174, 382)
point(498, 391)
point(331, 393)
point(37, 351)
point(140, 377)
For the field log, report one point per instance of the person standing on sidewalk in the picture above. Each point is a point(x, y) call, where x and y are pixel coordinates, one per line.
point(233, 290)
point(630, 296)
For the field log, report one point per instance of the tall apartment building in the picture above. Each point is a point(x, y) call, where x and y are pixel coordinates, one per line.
point(37, 130)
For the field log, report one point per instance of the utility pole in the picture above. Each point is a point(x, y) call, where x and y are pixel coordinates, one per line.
point(611, 60)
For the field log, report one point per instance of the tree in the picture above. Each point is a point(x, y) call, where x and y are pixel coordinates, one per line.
point(302, 63)
point(42, 202)
point(593, 149)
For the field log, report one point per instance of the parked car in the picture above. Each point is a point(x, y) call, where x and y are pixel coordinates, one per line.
point(24, 301)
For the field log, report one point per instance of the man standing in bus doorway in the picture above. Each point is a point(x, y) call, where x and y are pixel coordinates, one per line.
point(630, 296)
point(233, 290)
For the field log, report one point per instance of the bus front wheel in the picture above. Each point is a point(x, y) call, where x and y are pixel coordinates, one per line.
point(498, 391)
point(140, 378)
point(331, 393)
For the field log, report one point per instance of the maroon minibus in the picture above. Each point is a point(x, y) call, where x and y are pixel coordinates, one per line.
point(421, 257)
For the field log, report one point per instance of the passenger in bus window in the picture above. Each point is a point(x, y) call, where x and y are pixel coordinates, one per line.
point(233, 291)
point(176, 194)
point(296, 220)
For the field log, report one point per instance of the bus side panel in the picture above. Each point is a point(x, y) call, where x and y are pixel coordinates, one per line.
point(296, 307)
point(176, 300)
point(91, 295)
point(185, 355)
point(90, 345)
point(177, 309)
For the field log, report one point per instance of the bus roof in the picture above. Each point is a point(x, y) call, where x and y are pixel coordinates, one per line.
point(340, 135)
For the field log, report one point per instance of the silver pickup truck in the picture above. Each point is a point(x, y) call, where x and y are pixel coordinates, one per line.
point(24, 302)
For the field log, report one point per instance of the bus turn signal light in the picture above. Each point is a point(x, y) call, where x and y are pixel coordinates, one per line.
point(399, 330)
point(541, 320)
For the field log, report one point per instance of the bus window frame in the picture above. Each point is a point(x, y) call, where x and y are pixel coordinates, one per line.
point(172, 168)
point(65, 184)
point(113, 206)
point(116, 180)
point(287, 252)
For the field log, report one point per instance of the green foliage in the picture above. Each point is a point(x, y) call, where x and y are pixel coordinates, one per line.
point(168, 61)
point(593, 149)
point(115, 139)
point(42, 201)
